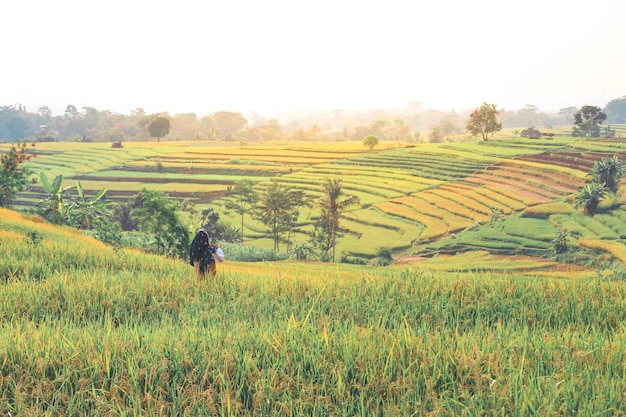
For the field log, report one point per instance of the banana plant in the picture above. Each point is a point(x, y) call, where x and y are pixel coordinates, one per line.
point(82, 211)
point(53, 208)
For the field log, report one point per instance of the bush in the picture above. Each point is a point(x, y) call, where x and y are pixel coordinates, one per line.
point(384, 256)
point(531, 133)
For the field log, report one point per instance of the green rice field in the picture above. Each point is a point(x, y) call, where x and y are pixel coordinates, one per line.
point(439, 197)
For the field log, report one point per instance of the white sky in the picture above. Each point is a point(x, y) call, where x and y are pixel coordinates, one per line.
point(277, 55)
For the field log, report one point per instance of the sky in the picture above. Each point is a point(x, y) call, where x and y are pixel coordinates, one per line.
point(268, 56)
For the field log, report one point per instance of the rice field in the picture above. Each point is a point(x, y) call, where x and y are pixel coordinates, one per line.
point(91, 331)
point(458, 184)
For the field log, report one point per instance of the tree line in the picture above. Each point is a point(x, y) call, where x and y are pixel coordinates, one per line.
point(410, 124)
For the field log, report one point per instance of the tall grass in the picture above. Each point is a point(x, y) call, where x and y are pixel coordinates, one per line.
point(106, 333)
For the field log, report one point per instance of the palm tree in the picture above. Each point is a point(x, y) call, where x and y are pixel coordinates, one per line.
point(275, 210)
point(589, 197)
point(244, 196)
point(332, 206)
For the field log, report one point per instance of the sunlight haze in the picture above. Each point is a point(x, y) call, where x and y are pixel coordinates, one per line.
point(271, 56)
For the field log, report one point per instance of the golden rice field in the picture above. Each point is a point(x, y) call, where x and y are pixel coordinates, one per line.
point(86, 330)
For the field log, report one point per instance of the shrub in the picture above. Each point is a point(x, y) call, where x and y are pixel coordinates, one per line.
point(384, 256)
point(531, 133)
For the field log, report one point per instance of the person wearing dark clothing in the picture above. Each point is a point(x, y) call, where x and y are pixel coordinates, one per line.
point(204, 253)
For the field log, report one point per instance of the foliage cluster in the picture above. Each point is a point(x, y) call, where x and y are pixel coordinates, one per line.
point(587, 121)
point(13, 172)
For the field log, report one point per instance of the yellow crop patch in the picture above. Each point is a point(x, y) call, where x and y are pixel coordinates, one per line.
point(548, 209)
point(613, 247)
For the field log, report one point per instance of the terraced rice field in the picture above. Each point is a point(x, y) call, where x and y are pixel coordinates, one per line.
point(426, 197)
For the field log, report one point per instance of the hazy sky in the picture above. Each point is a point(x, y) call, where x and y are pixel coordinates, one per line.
point(274, 55)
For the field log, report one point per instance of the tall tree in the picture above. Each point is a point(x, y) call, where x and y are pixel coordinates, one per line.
point(159, 127)
point(227, 123)
point(370, 141)
point(13, 173)
point(157, 216)
point(17, 128)
point(243, 197)
point(616, 110)
point(71, 111)
point(298, 199)
point(484, 121)
point(44, 113)
point(587, 122)
point(332, 204)
point(275, 210)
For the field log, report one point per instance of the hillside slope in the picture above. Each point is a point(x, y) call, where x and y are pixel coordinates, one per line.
point(416, 199)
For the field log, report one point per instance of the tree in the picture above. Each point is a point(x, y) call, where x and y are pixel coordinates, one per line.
point(370, 141)
point(122, 214)
point(44, 113)
point(157, 216)
point(608, 171)
point(332, 205)
point(589, 197)
point(587, 122)
point(483, 121)
point(243, 196)
point(226, 123)
point(616, 110)
point(275, 210)
point(71, 111)
point(208, 220)
point(17, 128)
point(298, 199)
point(159, 127)
point(13, 173)
point(435, 136)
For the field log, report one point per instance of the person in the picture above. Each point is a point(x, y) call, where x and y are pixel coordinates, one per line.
point(203, 255)
point(217, 255)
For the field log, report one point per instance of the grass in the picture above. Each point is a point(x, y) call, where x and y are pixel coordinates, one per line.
point(105, 333)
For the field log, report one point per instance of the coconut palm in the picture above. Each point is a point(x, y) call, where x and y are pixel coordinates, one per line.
point(275, 210)
point(332, 205)
point(243, 196)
